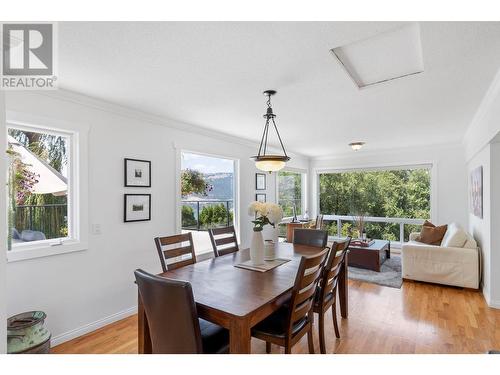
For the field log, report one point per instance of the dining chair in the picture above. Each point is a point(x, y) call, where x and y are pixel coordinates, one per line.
point(319, 222)
point(287, 325)
point(310, 237)
point(223, 240)
point(326, 295)
point(173, 247)
point(173, 322)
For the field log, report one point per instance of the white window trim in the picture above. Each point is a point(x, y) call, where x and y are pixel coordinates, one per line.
point(303, 198)
point(178, 200)
point(78, 202)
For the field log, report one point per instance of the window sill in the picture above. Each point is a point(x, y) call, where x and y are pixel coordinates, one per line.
point(19, 253)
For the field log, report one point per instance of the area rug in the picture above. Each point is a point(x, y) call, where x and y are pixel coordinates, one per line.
point(389, 275)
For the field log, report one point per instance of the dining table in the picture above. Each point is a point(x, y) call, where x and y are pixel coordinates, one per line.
point(237, 298)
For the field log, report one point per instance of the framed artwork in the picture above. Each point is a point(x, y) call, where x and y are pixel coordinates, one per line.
point(260, 197)
point(137, 173)
point(476, 191)
point(136, 207)
point(260, 181)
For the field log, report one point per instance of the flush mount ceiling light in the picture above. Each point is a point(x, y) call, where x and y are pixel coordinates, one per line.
point(270, 162)
point(356, 145)
point(384, 57)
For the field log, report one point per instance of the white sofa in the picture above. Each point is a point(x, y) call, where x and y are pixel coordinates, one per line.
point(455, 262)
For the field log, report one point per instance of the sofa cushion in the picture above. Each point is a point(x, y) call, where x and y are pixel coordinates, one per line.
point(470, 243)
point(454, 237)
point(432, 235)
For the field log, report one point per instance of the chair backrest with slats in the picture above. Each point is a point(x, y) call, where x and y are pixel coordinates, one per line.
point(223, 240)
point(310, 237)
point(173, 250)
point(304, 289)
point(319, 222)
point(331, 269)
point(171, 311)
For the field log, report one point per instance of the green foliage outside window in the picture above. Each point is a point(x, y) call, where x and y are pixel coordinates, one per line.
point(388, 193)
point(290, 192)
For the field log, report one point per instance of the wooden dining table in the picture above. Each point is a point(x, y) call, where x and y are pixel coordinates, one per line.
point(237, 298)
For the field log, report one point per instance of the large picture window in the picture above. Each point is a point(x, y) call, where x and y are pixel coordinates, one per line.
point(393, 193)
point(38, 199)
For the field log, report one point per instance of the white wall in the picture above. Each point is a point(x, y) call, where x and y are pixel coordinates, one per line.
point(3, 224)
point(480, 227)
point(481, 148)
point(449, 192)
point(96, 285)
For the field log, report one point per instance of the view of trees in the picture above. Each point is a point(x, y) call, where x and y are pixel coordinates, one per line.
point(41, 212)
point(290, 192)
point(386, 193)
point(211, 188)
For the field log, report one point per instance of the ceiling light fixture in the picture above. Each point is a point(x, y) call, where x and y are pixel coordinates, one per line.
point(270, 162)
point(356, 145)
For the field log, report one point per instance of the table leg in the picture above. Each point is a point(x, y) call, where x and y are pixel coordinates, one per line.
point(389, 250)
point(344, 289)
point(240, 337)
point(144, 338)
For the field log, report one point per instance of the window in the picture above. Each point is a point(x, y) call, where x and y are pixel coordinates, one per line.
point(47, 192)
point(403, 193)
point(291, 192)
point(207, 195)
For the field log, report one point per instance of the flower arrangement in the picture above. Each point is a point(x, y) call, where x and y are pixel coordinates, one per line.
point(265, 213)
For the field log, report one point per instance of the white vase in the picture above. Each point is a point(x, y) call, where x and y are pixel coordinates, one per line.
point(257, 249)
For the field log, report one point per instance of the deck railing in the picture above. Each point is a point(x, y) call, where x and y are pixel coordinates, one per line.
point(201, 215)
point(50, 219)
point(398, 231)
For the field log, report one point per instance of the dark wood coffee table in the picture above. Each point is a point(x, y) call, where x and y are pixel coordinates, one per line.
point(371, 257)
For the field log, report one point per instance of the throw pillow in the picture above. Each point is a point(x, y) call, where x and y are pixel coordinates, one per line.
point(432, 235)
point(455, 237)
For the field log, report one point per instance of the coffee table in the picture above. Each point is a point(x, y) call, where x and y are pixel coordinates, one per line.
point(371, 257)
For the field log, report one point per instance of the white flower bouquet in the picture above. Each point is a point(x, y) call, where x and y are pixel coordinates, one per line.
point(265, 213)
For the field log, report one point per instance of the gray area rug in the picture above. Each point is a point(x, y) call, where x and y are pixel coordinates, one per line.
point(389, 275)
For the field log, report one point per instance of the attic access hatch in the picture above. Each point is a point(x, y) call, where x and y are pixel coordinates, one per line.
point(384, 57)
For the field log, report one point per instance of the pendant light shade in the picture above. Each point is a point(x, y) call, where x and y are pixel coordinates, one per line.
point(270, 162)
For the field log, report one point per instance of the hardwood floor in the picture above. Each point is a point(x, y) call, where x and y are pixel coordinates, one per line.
point(418, 318)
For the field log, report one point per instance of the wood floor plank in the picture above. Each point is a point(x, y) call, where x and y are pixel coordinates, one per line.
point(418, 318)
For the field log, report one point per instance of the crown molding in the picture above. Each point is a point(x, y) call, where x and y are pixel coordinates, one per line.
point(136, 114)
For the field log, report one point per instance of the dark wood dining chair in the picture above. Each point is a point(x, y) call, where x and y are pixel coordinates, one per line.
point(173, 322)
point(286, 326)
point(310, 237)
point(173, 247)
point(223, 240)
point(326, 295)
point(319, 222)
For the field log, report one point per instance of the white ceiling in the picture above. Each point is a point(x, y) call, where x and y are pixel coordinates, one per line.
point(212, 75)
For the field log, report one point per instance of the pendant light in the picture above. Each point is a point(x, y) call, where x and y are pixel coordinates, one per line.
point(270, 162)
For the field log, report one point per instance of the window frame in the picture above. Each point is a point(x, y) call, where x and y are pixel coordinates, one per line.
point(77, 239)
point(430, 165)
point(303, 190)
point(178, 199)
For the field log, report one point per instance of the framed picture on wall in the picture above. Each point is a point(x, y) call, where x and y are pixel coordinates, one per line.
point(137, 173)
point(260, 181)
point(136, 207)
point(260, 197)
point(476, 191)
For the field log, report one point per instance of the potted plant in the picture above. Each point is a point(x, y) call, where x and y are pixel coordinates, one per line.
point(264, 214)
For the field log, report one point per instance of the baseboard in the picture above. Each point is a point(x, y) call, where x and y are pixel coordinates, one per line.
point(87, 328)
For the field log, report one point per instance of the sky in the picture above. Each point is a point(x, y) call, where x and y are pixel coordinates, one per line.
point(206, 164)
